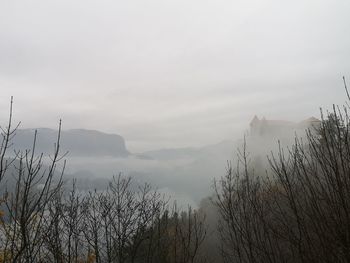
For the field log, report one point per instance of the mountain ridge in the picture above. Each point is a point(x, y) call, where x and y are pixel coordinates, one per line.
point(77, 142)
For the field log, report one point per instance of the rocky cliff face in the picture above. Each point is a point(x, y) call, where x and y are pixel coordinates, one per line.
point(77, 142)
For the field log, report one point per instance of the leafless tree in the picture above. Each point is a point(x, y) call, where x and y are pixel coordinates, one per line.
point(45, 220)
point(36, 183)
point(300, 211)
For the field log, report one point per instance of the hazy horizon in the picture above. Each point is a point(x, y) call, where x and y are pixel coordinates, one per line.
point(167, 73)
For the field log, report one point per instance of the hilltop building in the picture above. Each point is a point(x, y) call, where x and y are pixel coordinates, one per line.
point(275, 128)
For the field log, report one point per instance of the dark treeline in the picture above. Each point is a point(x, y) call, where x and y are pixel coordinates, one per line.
point(298, 210)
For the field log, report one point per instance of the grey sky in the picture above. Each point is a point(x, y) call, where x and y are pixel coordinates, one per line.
point(170, 73)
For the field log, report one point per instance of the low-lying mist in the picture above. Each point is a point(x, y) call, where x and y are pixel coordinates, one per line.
point(184, 174)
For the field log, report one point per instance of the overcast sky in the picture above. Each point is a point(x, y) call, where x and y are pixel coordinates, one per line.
point(171, 73)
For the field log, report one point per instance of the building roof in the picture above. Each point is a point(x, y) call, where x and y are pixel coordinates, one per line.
point(254, 120)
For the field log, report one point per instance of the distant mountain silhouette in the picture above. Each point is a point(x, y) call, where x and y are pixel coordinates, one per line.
point(78, 142)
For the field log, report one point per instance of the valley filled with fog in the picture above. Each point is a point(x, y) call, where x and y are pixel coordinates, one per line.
point(183, 174)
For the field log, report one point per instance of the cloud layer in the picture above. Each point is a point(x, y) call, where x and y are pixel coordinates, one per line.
point(166, 73)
